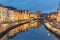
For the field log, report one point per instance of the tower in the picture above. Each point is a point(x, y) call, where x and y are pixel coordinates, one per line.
point(59, 8)
point(58, 13)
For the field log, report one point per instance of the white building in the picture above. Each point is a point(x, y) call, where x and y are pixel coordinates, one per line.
point(11, 14)
point(3, 14)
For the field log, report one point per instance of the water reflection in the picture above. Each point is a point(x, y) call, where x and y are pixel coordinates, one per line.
point(35, 33)
point(3, 27)
point(34, 24)
point(24, 28)
point(40, 33)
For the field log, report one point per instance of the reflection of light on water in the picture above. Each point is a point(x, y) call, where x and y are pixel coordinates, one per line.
point(25, 27)
point(34, 24)
point(4, 25)
point(47, 31)
point(48, 34)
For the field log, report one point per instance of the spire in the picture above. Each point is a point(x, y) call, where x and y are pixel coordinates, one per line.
point(59, 2)
point(59, 6)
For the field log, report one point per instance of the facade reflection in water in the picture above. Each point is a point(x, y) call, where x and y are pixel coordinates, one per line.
point(33, 24)
point(24, 28)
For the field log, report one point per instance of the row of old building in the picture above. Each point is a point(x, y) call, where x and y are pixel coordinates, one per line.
point(55, 15)
point(11, 14)
point(52, 16)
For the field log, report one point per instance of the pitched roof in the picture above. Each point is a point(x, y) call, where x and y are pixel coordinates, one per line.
point(10, 7)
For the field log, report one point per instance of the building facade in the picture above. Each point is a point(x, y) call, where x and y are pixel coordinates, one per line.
point(11, 14)
point(16, 15)
point(3, 14)
point(25, 14)
point(53, 16)
point(58, 14)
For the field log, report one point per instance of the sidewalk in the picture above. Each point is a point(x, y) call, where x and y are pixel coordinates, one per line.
point(56, 25)
point(52, 28)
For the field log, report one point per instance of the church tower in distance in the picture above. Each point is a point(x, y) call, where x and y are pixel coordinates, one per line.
point(58, 13)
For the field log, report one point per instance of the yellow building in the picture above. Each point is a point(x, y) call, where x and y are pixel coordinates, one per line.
point(31, 16)
point(25, 14)
point(34, 15)
point(20, 18)
point(16, 15)
point(58, 14)
point(53, 16)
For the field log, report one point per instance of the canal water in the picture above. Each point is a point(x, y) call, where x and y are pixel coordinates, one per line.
point(35, 31)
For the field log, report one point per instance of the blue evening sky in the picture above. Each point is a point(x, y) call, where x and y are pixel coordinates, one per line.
point(32, 5)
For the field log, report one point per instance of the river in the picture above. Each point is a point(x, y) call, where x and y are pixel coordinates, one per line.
point(36, 31)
